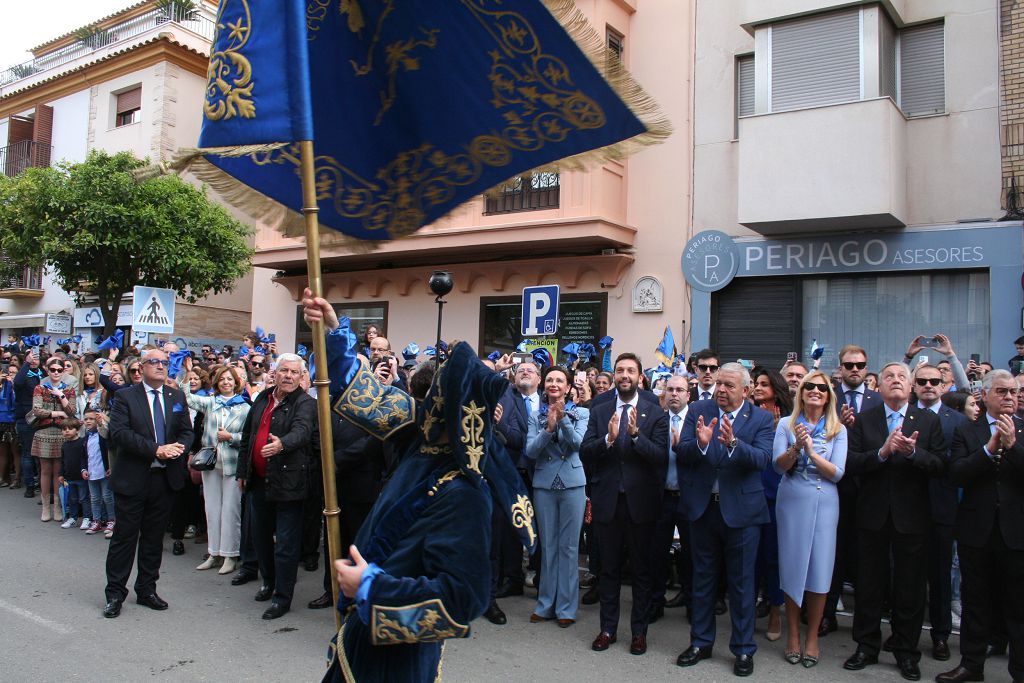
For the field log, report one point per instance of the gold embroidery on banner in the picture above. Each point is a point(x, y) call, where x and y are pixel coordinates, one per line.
point(230, 83)
point(316, 12)
point(423, 622)
point(531, 89)
point(378, 409)
point(473, 434)
point(522, 516)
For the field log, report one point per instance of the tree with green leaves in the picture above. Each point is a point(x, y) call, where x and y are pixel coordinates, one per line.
point(101, 232)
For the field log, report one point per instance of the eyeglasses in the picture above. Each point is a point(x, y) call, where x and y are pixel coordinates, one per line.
point(157, 361)
point(135, 371)
point(1005, 391)
point(675, 390)
point(258, 364)
point(708, 368)
point(851, 366)
point(925, 381)
point(810, 386)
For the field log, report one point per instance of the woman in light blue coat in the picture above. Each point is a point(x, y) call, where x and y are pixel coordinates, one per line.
point(553, 443)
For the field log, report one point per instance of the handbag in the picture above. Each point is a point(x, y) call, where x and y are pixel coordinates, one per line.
point(204, 459)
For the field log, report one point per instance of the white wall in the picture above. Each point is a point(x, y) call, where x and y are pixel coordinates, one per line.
point(3, 132)
point(136, 137)
point(70, 127)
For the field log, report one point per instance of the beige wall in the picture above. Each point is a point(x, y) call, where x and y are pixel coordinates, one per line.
point(926, 170)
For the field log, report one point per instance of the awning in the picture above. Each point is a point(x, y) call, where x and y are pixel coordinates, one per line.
point(21, 321)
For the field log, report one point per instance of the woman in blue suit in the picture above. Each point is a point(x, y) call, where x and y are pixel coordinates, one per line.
point(553, 441)
point(810, 451)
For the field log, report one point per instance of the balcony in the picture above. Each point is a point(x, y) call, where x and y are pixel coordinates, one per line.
point(27, 284)
point(21, 155)
point(98, 41)
point(831, 168)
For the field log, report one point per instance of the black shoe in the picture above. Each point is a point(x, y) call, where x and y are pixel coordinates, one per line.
point(275, 610)
point(995, 650)
point(959, 675)
point(887, 645)
point(152, 601)
point(495, 615)
point(311, 563)
point(112, 609)
point(590, 597)
point(720, 607)
point(588, 580)
point(940, 651)
point(762, 608)
point(909, 669)
point(242, 578)
point(859, 660)
point(507, 589)
point(679, 600)
point(30, 492)
point(692, 655)
point(264, 593)
point(179, 548)
point(323, 602)
point(827, 626)
point(744, 665)
point(656, 612)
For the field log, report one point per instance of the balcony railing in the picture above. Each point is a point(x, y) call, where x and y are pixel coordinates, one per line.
point(101, 38)
point(525, 193)
point(28, 281)
point(21, 155)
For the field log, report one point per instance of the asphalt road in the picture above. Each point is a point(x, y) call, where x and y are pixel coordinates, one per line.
point(51, 628)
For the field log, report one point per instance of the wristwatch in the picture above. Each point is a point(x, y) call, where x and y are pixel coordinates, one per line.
point(732, 444)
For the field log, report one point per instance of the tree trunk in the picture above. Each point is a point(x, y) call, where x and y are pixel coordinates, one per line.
point(109, 305)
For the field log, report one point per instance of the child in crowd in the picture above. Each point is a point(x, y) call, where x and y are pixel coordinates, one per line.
point(73, 462)
point(97, 472)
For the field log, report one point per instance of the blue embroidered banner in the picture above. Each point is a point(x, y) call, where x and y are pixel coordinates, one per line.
point(416, 106)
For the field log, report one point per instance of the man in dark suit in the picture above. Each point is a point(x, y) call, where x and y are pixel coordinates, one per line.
point(707, 375)
point(626, 447)
point(150, 425)
point(725, 444)
point(987, 460)
point(853, 397)
point(943, 497)
point(895, 449)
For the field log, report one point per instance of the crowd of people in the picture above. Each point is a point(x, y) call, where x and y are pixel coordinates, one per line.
point(770, 494)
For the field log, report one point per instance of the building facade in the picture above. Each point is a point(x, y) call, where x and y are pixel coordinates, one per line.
point(849, 182)
point(132, 81)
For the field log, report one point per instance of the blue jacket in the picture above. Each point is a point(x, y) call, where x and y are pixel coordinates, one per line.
point(740, 487)
point(8, 413)
point(557, 454)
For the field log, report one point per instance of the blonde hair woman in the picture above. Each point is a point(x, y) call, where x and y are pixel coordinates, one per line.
point(810, 450)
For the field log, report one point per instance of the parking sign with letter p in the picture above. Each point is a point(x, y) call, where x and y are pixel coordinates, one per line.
point(540, 310)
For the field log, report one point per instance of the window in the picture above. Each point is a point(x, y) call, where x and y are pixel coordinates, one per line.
point(529, 193)
point(129, 107)
point(615, 43)
point(745, 85)
point(922, 70)
point(815, 61)
point(887, 59)
point(362, 316)
point(582, 318)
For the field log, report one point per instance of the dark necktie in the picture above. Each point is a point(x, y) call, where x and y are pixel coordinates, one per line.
point(851, 398)
point(158, 419)
point(623, 426)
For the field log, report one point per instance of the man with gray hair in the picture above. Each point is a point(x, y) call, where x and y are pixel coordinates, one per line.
point(725, 444)
point(987, 461)
point(274, 460)
point(895, 449)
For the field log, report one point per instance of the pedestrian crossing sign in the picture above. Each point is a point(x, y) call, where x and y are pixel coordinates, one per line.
point(153, 310)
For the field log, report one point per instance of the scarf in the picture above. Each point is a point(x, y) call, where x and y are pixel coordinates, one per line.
point(37, 373)
point(803, 462)
point(228, 402)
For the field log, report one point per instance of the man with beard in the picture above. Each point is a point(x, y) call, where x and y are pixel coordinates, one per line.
point(626, 448)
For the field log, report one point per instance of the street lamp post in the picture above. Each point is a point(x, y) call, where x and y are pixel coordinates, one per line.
point(440, 283)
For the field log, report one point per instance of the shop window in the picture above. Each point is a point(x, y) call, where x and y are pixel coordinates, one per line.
point(582, 318)
point(525, 193)
point(362, 315)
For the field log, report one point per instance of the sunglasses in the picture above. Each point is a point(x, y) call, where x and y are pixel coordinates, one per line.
point(810, 386)
point(708, 368)
point(135, 371)
point(157, 361)
point(925, 381)
point(55, 368)
point(258, 364)
point(851, 366)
